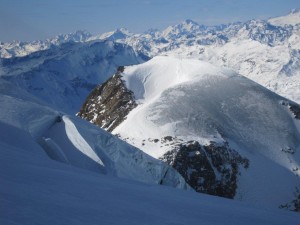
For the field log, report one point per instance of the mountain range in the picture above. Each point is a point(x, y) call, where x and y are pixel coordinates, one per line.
point(264, 51)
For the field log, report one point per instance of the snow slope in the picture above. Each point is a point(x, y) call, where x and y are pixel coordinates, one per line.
point(36, 190)
point(63, 76)
point(196, 101)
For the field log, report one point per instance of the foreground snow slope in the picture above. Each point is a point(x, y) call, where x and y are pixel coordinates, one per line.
point(190, 100)
point(36, 190)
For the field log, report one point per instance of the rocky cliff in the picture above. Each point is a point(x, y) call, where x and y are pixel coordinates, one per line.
point(211, 169)
point(109, 103)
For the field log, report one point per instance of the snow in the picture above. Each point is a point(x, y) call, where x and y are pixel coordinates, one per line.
point(113, 35)
point(194, 100)
point(36, 190)
point(79, 142)
point(150, 79)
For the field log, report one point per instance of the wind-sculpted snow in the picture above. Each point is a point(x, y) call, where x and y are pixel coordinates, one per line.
point(190, 100)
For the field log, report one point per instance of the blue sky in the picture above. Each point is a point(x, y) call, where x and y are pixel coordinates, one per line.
point(27, 20)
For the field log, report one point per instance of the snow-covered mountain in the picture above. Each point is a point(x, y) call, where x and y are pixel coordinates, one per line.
point(118, 34)
point(224, 133)
point(64, 75)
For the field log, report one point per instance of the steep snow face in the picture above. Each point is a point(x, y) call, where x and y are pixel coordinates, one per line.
point(48, 134)
point(64, 76)
point(293, 18)
point(190, 100)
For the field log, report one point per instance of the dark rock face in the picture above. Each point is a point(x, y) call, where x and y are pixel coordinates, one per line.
point(108, 104)
point(296, 110)
point(211, 169)
point(293, 107)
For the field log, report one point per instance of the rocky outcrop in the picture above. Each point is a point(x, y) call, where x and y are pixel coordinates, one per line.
point(109, 103)
point(293, 107)
point(296, 110)
point(211, 169)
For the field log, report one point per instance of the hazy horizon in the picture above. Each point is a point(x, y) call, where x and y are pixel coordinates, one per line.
point(37, 20)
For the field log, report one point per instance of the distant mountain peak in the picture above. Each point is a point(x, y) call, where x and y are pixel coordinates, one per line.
point(123, 30)
point(187, 26)
point(190, 21)
point(119, 33)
